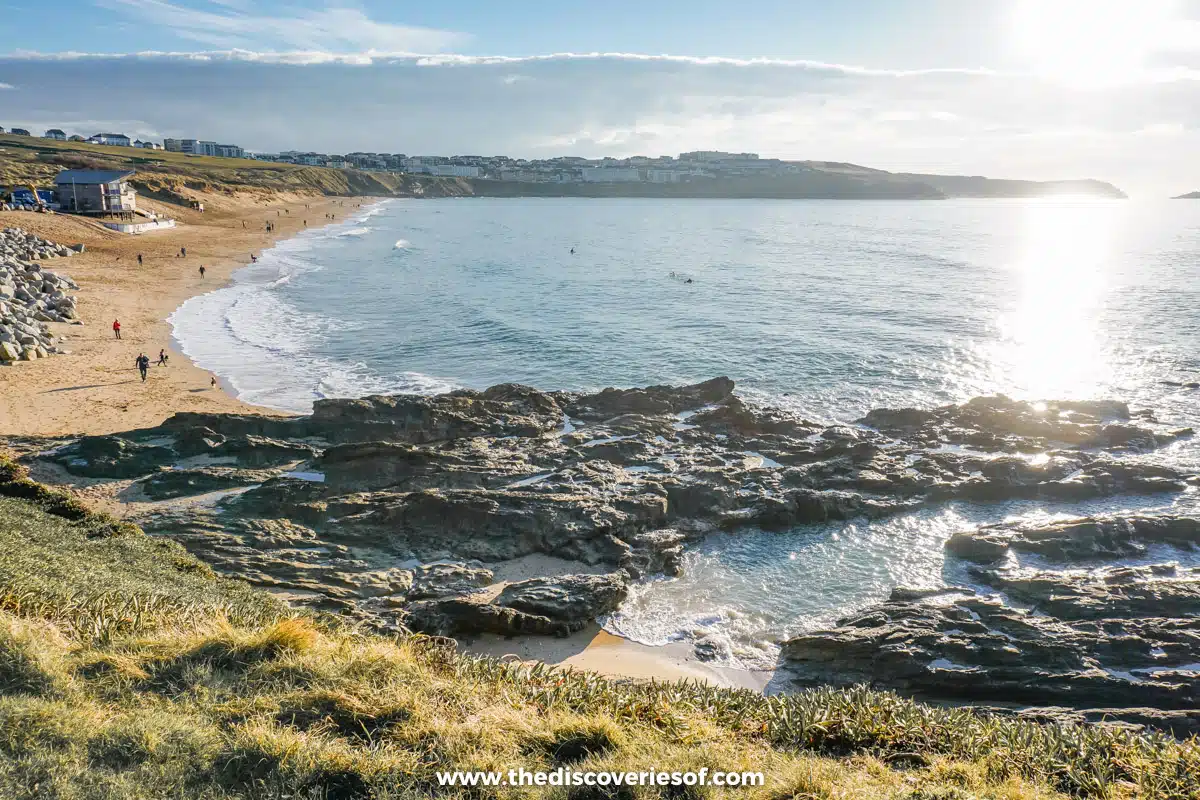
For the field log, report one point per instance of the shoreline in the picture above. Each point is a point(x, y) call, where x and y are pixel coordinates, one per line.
point(94, 388)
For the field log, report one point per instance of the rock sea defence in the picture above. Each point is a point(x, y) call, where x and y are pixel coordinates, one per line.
point(403, 510)
point(30, 296)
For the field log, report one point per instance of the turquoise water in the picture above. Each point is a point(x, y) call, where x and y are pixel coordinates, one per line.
point(826, 307)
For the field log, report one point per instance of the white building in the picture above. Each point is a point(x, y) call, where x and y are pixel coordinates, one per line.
point(610, 175)
point(456, 171)
point(113, 139)
point(665, 175)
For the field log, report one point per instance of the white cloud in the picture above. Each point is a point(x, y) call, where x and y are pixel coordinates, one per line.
point(4, 86)
point(951, 121)
point(230, 24)
point(1162, 129)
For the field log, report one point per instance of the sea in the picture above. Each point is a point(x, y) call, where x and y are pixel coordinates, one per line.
point(826, 308)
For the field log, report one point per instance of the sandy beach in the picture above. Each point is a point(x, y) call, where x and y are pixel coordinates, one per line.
point(95, 388)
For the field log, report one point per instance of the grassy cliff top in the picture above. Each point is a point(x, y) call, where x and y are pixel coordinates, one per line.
point(128, 670)
point(25, 160)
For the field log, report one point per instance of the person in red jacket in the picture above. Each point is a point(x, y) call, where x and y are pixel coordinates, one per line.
point(117, 328)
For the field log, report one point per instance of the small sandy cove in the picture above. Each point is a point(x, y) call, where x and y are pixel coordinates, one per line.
point(95, 388)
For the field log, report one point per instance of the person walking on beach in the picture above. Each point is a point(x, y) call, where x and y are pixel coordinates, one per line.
point(139, 259)
point(212, 383)
point(243, 223)
point(201, 272)
point(162, 358)
point(117, 328)
point(143, 364)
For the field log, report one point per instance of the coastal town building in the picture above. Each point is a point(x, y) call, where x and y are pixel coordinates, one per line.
point(610, 175)
point(76, 138)
point(200, 147)
point(55, 133)
point(456, 170)
point(112, 139)
point(96, 191)
point(20, 132)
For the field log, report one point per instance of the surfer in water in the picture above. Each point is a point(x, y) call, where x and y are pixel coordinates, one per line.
point(572, 251)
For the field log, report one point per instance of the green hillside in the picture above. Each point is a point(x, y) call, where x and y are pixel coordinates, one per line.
point(25, 160)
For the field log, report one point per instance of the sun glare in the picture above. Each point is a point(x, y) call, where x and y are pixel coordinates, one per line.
point(1050, 343)
point(1091, 43)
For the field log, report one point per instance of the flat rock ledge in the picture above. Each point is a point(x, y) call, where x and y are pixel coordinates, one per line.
point(400, 511)
point(1070, 630)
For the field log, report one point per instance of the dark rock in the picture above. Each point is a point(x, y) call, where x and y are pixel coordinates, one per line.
point(978, 649)
point(1077, 540)
point(184, 482)
point(262, 451)
point(197, 441)
point(1129, 593)
point(505, 410)
point(904, 594)
point(573, 599)
point(112, 457)
point(464, 616)
point(448, 579)
point(650, 400)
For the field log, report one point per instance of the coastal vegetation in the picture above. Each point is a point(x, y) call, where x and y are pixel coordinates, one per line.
point(128, 670)
point(178, 177)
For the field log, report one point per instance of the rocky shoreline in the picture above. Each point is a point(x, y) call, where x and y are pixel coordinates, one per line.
point(31, 296)
point(396, 510)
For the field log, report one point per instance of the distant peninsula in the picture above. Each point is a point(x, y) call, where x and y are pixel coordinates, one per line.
point(1188, 196)
point(177, 177)
point(817, 180)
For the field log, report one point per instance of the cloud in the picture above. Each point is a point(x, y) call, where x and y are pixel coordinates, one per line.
point(4, 86)
point(231, 24)
point(594, 104)
point(383, 56)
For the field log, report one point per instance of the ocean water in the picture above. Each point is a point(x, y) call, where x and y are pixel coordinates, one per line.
point(829, 308)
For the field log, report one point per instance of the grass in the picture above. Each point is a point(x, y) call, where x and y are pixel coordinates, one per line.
point(175, 177)
point(127, 670)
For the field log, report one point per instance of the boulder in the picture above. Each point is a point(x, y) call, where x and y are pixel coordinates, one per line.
point(185, 482)
point(112, 457)
point(576, 600)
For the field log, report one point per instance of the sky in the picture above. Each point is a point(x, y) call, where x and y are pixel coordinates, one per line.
point(1038, 89)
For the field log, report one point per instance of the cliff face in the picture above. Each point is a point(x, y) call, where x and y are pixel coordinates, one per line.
point(815, 185)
